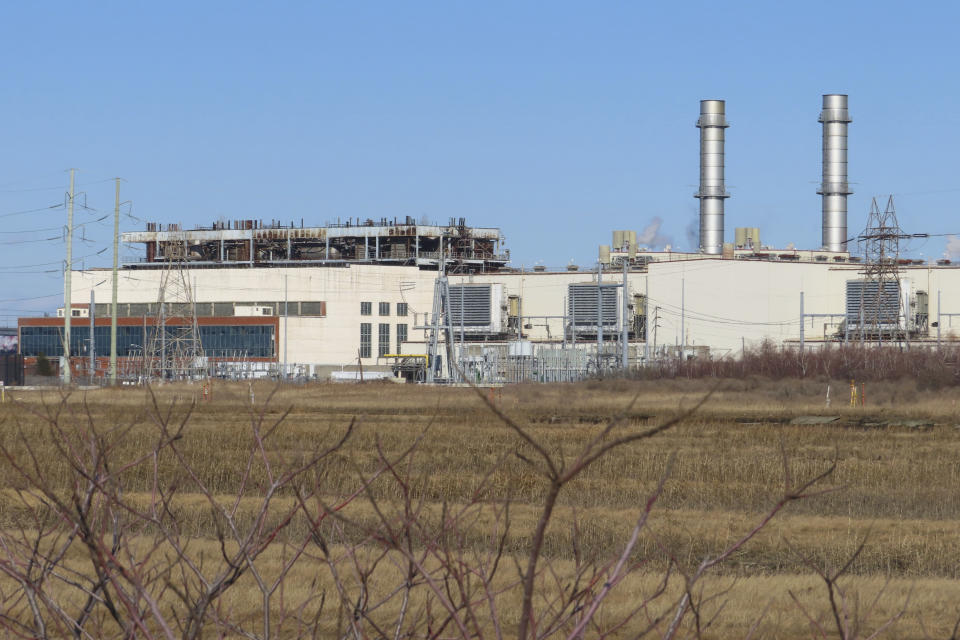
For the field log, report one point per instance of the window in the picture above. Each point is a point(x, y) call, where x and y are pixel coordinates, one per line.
point(366, 330)
point(313, 308)
point(401, 308)
point(219, 309)
point(366, 308)
point(383, 346)
point(231, 341)
point(218, 341)
point(384, 308)
point(401, 336)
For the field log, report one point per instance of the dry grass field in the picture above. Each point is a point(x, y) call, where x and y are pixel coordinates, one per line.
point(426, 473)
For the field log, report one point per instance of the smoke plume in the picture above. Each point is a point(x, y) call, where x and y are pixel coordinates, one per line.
point(693, 235)
point(651, 236)
point(952, 250)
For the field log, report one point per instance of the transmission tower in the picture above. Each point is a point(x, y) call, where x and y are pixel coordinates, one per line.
point(881, 302)
point(174, 351)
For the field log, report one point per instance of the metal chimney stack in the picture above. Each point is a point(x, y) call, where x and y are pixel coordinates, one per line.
point(712, 191)
point(834, 186)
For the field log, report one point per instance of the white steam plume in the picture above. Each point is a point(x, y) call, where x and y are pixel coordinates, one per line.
point(952, 250)
point(651, 236)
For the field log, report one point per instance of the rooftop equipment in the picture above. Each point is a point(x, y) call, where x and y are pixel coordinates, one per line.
point(747, 238)
point(477, 309)
point(873, 311)
point(712, 190)
point(582, 302)
point(834, 186)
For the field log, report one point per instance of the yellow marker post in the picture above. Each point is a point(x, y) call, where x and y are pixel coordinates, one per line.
point(853, 393)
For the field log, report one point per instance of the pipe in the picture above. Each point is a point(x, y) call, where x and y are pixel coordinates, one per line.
point(834, 186)
point(712, 190)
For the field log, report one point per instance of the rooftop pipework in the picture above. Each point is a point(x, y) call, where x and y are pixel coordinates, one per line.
point(251, 243)
point(834, 186)
point(712, 190)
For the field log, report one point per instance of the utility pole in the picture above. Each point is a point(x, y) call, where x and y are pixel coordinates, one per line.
point(802, 318)
point(286, 323)
point(624, 330)
point(599, 317)
point(113, 298)
point(656, 325)
point(573, 319)
point(163, 338)
point(67, 306)
point(683, 316)
point(646, 319)
point(93, 342)
point(565, 310)
point(938, 319)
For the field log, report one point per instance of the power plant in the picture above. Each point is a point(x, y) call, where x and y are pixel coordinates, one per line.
point(443, 302)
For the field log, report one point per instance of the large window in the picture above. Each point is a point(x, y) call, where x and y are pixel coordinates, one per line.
point(401, 308)
point(401, 336)
point(218, 341)
point(383, 345)
point(384, 308)
point(366, 308)
point(366, 330)
point(251, 341)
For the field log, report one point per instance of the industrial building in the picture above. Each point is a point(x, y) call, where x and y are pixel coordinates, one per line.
point(391, 296)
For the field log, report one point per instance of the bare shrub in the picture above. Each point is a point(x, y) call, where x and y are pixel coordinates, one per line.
point(125, 536)
point(930, 368)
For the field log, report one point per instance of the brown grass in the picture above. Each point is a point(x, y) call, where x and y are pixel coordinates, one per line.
point(897, 483)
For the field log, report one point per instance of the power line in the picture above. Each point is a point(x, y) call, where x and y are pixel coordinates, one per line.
point(26, 211)
point(59, 227)
point(53, 238)
point(47, 264)
point(52, 295)
point(56, 188)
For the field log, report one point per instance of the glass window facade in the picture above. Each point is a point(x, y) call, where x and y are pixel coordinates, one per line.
point(383, 344)
point(366, 308)
point(401, 308)
point(366, 330)
point(401, 336)
point(255, 341)
point(384, 308)
point(49, 340)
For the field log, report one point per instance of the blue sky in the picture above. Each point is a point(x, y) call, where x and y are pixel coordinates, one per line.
point(556, 121)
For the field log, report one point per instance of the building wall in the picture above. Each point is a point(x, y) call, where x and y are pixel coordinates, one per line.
point(723, 304)
point(330, 340)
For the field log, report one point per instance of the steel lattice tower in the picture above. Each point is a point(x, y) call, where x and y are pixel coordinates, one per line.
point(881, 316)
point(174, 351)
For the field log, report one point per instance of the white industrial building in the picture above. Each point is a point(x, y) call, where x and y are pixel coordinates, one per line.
point(316, 300)
point(712, 306)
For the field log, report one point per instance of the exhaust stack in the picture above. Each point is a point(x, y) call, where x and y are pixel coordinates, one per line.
point(712, 191)
point(834, 186)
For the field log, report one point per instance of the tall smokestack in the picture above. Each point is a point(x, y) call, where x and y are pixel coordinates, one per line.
point(834, 186)
point(712, 191)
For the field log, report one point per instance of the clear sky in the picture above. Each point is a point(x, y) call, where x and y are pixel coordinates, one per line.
point(556, 121)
